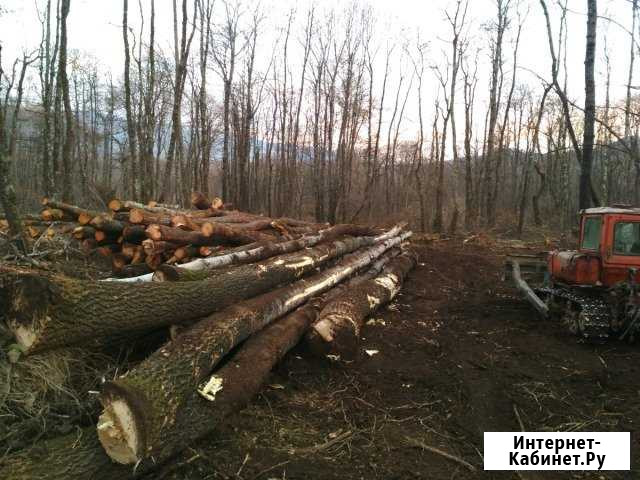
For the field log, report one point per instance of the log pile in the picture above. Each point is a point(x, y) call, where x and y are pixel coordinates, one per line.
point(140, 238)
point(228, 312)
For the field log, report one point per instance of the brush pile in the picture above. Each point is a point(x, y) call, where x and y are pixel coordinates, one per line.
point(222, 296)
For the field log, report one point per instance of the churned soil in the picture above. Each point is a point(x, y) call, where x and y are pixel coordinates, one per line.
point(456, 354)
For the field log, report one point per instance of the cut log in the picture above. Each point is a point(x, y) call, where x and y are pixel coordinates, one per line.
point(107, 224)
point(224, 236)
point(187, 251)
point(158, 247)
point(54, 311)
point(185, 222)
point(72, 210)
point(84, 218)
point(101, 237)
point(143, 217)
point(265, 251)
point(337, 330)
point(142, 412)
point(53, 214)
point(134, 233)
point(77, 456)
point(200, 201)
point(233, 235)
point(208, 250)
point(177, 236)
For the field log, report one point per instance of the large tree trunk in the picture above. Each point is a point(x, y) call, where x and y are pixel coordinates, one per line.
point(63, 81)
point(338, 328)
point(54, 311)
point(75, 212)
point(145, 418)
point(77, 455)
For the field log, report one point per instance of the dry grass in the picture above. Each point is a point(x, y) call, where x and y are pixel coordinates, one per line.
point(45, 395)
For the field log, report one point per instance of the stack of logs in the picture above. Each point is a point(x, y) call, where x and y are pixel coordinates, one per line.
point(232, 316)
point(139, 238)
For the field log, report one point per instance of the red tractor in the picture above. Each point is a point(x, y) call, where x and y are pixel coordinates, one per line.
point(593, 289)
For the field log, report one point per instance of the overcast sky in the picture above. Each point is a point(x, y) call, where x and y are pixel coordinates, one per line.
point(95, 29)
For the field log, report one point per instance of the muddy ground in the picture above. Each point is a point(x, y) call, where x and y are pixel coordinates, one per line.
point(459, 354)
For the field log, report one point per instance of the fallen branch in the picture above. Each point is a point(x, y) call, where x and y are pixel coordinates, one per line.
point(419, 444)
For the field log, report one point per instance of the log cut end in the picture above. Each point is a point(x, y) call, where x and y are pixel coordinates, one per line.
point(136, 215)
point(84, 218)
point(154, 232)
point(115, 205)
point(117, 432)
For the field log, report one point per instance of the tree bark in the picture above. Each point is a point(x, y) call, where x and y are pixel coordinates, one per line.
point(53, 311)
point(586, 196)
point(337, 330)
point(144, 411)
point(200, 201)
point(77, 455)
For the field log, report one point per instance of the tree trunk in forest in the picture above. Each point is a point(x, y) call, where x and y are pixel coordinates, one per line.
point(7, 193)
point(131, 126)
point(494, 107)
point(337, 330)
point(63, 82)
point(181, 57)
point(144, 416)
point(586, 196)
point(55, 311)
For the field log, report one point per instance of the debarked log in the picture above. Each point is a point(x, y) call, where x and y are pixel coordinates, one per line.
point(144, 409)
point(54, 311)
point(337, 330)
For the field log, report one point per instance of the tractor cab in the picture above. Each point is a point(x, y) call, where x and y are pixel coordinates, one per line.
point(609, 247)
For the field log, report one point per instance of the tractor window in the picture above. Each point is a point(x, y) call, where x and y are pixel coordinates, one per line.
point(626, 238)
point(591, 233)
